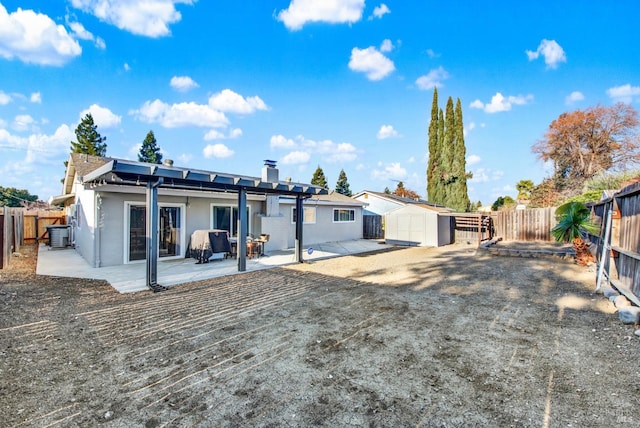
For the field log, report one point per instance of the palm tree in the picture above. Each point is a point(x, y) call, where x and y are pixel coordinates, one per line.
point(574, 222)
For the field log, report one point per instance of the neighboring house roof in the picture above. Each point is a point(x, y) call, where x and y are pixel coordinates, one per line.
point(396, 198)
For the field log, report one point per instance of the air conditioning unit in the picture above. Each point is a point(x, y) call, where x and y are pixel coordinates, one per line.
point(58, 236)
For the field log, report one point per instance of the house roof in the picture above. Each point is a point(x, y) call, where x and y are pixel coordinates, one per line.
point(81, 164)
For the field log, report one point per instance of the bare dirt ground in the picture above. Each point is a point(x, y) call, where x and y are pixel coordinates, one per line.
point(411, 337)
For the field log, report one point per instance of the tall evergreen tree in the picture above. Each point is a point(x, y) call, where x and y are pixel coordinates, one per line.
point(459, 199)
point(434, 151)
point(150, 152)
point(89, 140)
point(319, 179)
point(446, 172)
point(342, 186)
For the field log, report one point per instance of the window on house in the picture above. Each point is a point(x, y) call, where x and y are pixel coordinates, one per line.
point(225, 217)
point(309, 215)
point(344, 216)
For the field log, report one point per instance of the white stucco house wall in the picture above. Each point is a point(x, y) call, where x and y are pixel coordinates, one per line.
point(108, 221)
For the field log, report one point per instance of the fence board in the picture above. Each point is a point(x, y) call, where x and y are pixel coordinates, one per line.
point(36, 222)
point(533, 224)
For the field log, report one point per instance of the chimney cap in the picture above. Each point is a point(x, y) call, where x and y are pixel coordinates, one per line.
point(270, 163)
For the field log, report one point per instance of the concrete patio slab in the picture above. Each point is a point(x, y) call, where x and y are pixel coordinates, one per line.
point(131, 277)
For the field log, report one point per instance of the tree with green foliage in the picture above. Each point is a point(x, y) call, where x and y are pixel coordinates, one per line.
point(319, 179)
point(574, 222)
point(150, 152)
point(459, 197)
point(524, 188)
point(387, 191)
point(89, 140)
point(342, 186)
point(446, 171)
point(434, 191)
point(12, 197)
point(503, 203)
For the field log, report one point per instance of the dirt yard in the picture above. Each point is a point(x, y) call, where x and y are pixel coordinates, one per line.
point(411, 337)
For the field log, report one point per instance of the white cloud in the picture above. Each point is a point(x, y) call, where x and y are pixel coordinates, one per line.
point(380, 11)
point(228, 101)
point(5, 98)
point(22, 122)
point(36, 98)
point(35, 38)
point(219, 151)
point(296, 158)
point(573, 97)
point(185, 158)
point(182, 83)
point(473, 159)
point(432, 54)
point(386, 46)
point(386, 131)
point(281, 142)
point(501, 103)
point(551, 51)
point(370, 61)
point(40, 147)
point(217, 135)
point(624, 93)
point(102, 116)
point(82, 33)
point(300, 12)
point(126, 67)
point(327, 149)
point(181, 114)
point(484, 175)
point(432, 79)
point(149, 18)
point(392, 171)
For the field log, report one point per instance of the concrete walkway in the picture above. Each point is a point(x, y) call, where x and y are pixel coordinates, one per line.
point(131, 277)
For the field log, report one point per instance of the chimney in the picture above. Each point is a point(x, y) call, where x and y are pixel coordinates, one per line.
point(270, 172)
point(168, 162)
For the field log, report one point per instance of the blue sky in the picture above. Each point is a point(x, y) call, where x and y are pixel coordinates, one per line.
point(344, 84)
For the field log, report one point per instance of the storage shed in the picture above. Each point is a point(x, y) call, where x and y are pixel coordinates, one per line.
point(418, 225)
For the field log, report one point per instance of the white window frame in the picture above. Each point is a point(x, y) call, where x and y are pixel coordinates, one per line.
point(234, 207)
point(183, 231)
point(343, 221)
point(304, 214)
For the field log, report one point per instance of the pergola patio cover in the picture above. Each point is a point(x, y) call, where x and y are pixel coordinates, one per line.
point(154, 176)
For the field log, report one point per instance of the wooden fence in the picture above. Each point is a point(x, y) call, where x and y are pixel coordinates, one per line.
point(36, 222)
point(624, 239)
point(533, 224)
point(19, 226)
point(471, 227)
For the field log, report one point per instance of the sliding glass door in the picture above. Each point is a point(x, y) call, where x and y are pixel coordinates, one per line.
point(171, 232)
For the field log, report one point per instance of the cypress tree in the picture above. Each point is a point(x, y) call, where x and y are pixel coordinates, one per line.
point(150, 152)
point(318, 178)
point(434, 152)
point(459, 196)
point(342, 186)
point(447, 175)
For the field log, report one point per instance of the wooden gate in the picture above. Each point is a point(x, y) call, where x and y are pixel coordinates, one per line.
point(36, 222)
point(372, 227)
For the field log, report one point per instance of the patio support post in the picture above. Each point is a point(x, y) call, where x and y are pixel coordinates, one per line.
point(242, 229)
point(152, 233)
point(299, 223)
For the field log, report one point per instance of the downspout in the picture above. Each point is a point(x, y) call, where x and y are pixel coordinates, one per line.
point(97, 234)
